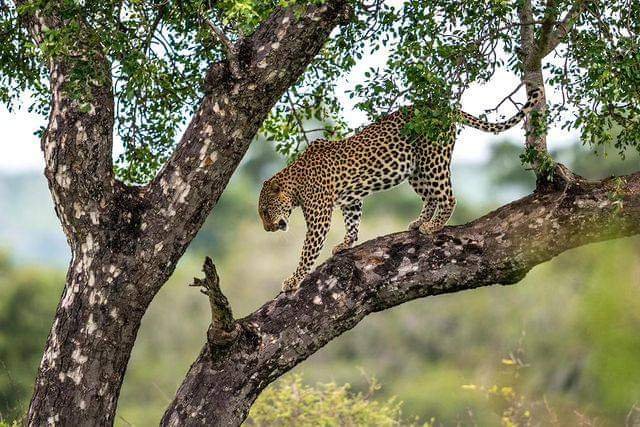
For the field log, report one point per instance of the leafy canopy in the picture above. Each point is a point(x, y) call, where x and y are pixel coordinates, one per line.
point(435, 49)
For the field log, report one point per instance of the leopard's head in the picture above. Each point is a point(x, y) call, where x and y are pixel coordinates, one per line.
point(274, 206)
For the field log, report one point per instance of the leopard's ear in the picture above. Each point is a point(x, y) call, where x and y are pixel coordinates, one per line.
point(275, 187)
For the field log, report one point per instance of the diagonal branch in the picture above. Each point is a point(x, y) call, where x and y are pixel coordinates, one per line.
point(229, 116)
point(499, 248)
point(552, 38)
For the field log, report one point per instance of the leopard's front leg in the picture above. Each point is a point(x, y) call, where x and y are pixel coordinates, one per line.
point(318, 220)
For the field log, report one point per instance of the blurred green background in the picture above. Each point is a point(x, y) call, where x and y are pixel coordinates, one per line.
point(560, 348)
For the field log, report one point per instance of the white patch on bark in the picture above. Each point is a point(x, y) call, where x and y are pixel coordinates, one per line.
point(317, 300)
point(87, 246)
point(406, 267)
point(103, 389)
point(262, 64)
point(275, 45)
point(78, 357)
point(75, 375)
point(83, 405)
point(69, 295)
point(285, 20)
point(204, 149)
point(158, 247)
point(213, 156)
point(184, 193)
point(77, 210)
point(62, 177)
point(96, 297)
point(95, 219)
point(91, 325)
point(114, 313)
point(217, 110)
point(54, 125)
point(53, 351)
point(52, 420)
point(81, 135)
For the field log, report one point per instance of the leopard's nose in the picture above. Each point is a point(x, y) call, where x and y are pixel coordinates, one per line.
point(282, 224)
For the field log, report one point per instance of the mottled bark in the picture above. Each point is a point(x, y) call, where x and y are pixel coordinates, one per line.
point(533, 50)
point(126, 241)
point(499, 248)
point(533, 78)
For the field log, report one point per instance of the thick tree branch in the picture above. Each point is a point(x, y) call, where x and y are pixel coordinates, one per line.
point(78, 140)
point(229, 116)
point(533, 78)
point(499, 248)
point(552, 38)
point(532, 53)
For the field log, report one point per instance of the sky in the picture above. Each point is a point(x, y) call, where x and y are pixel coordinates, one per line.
point(20, 149)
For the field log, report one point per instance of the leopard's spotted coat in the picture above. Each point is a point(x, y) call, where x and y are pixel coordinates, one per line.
point(342, 173)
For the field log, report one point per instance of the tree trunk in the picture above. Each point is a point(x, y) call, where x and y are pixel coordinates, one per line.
point(125, 240)
point(499, 248)
point(90, 342)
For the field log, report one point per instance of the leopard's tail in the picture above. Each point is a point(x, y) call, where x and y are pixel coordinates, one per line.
point(533, 98)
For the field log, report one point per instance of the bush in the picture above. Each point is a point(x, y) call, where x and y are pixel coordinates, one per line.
point(289, 402)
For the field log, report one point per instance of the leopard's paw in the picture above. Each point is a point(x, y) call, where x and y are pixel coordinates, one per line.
point(429, 228)
point(415, 225)
point(291, 284)
point(341, 247)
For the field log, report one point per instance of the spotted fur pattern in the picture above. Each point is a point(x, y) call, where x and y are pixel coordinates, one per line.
point(342, 173)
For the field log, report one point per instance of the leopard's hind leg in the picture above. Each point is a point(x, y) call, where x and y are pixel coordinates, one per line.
point(420, 185)
point(445, 202)
point(432, 181)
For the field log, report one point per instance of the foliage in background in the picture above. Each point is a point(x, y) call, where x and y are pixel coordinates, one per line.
point(27, 304)
point(290, 403)
point(159, 51)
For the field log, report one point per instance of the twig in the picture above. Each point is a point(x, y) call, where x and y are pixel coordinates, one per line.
point(297, 118)
point(505, 99)
point(229, 47)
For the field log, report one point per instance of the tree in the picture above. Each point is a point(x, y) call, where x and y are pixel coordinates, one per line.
point(237, 67)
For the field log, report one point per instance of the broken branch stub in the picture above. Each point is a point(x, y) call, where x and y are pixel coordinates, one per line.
point(223, 329)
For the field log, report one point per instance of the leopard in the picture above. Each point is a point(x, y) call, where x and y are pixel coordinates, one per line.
point(341, 173)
